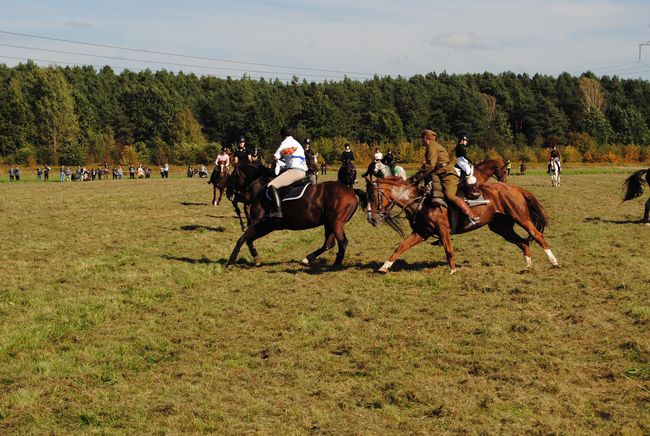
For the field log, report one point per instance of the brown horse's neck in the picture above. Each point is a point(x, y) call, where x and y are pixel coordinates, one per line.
point(401, 192)
point(484, 170)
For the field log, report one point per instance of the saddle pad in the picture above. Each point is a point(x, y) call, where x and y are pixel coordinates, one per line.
point(291, 192)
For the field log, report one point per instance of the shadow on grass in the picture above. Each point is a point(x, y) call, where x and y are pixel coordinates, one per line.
point(595, 219)
point(221, 216)
point(324, 266)
point(193, 227)
point(200, 261)
point(187, 203)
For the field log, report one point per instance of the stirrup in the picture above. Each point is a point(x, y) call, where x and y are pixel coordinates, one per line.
point(471, 222)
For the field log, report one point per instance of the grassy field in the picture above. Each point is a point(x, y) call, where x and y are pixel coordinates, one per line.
point(116, 315)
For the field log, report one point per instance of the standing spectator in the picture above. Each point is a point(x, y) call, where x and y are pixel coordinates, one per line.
point(147, 173)
point(11, 173)
point(120, 172)
point(93, 174)
point(508, 166)
point(323, 168)
point(17, 174)
point(62, 174)
point(46, 172)
point(190, 171)
point(39, 174)
point(131, 171)
point(68, 174)
point(166, 170)
point(522, 169)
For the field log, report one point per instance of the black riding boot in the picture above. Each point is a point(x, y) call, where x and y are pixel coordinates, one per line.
point(276, 210)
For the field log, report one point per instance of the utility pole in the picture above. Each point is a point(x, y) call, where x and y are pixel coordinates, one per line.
point(643, 44)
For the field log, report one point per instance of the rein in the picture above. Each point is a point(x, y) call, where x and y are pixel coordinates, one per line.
point(385, 214)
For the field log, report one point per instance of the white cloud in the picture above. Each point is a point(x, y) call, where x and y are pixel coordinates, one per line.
point(460, 41)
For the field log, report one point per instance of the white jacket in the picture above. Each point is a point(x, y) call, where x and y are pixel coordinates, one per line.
point(292, 154)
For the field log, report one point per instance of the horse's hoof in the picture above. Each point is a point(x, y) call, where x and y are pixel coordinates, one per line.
point(214, 203)
point(305, 262)
point(452, 271)
point(258, 261)
point(647, 224)
point(229, 265)
point(383, 270)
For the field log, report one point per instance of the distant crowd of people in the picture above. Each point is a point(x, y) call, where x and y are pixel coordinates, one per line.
point(81, 173)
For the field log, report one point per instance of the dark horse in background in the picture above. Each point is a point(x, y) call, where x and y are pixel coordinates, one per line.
point(634, 188)
point(220, 181)
point(508, 205)
point(328, 204)
point(347, 174)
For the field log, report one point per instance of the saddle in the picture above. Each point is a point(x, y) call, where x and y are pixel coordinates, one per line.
point(294, 191)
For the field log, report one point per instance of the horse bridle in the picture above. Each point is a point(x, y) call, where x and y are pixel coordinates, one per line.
point(391, 204)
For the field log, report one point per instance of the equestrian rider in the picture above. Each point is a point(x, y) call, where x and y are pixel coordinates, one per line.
point(554, 157)
point(378, 155)
point(437, 165)
point(290, 157)
point(347, 157)
point(223, 161)
point(389, 161)
point(310, 160)
point(241, 154)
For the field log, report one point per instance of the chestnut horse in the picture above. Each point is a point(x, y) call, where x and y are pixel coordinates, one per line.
point(328, 204)
point(509, 205)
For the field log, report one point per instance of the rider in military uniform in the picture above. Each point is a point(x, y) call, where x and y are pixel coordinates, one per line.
point(437, 165)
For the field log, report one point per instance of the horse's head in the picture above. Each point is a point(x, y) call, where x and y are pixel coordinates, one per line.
point(491, 168)
point(382, 196)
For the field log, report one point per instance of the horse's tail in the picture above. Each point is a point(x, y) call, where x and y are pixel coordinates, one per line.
point(634, 184)
point(537, 213)
point(363, 197)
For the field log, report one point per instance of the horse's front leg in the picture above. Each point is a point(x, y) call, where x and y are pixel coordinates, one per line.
point(238, 212)
point(220, 195)
point(214, 195)
point(646, 214)
point(410, 241)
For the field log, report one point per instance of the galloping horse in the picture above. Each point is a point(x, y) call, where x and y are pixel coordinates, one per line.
point(634, 188)
point(218, 180)
point(328, 204)
point(347, 174)
point(509, 205)
point(554, 171)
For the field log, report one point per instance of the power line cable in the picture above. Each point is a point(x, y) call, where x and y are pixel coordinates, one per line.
point(49, 50)
point(185, 56)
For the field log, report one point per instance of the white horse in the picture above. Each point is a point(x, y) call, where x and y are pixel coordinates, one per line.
point(383, 171)
point(554, 169)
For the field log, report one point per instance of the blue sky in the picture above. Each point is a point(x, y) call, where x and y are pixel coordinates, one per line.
point(355, 36)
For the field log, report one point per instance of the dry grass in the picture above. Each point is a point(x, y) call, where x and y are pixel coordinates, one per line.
point(116, 315)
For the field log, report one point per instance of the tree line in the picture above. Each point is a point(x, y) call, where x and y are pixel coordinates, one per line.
point(72, 115)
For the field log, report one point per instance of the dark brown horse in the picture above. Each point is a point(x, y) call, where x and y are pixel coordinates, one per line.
point(328, 204)
point(509, 205)
point(634, 188)
point(220, 181)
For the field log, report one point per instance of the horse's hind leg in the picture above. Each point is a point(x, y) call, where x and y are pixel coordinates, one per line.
point(505, 228)
point(339, 234)
point(330, 241)
point(539, 238)
point(220, 195)
point(646, 215)
point(214, 195)
point(408, 242)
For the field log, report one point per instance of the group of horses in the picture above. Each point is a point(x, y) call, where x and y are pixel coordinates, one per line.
point(332, 204)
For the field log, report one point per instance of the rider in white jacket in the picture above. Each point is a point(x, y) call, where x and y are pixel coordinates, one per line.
point(290, 157)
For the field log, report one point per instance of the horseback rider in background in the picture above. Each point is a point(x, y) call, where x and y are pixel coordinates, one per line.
point(554, 157)
point(347, 156)
point(290, 165)
point(465, 164)
point(241, 154)
point(389, 161)
point(438, 166)
point(310, 160)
